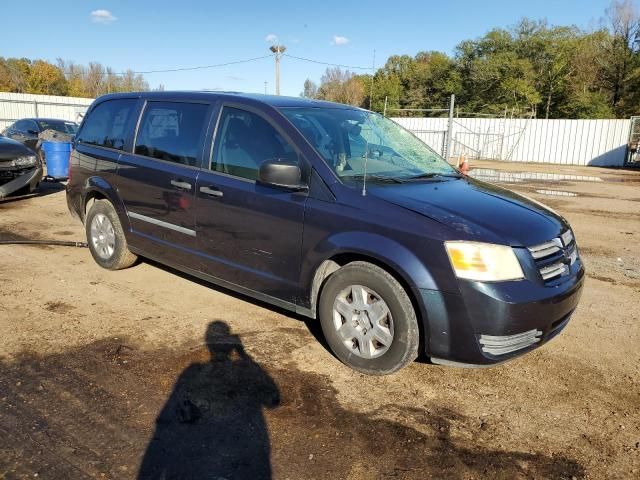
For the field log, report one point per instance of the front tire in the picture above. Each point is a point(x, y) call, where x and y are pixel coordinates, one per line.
point(106, 239)
point(368, 319)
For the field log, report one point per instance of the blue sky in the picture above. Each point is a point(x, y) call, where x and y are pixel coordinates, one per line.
point(158, 34)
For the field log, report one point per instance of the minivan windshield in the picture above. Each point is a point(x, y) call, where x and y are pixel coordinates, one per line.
point(358, 142)
point(62, 126)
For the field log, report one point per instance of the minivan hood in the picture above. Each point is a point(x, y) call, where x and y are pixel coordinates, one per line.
point(481, 211)
point(11, 149)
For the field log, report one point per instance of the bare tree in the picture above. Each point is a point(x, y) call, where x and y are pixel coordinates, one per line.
point(94, 80)
point(341, 86)
point(310, 89)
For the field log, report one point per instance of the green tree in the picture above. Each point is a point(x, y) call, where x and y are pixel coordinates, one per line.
point(494, 78)
point(585, 96)
point(550, 52)
point(621, 61)
point(530, 69)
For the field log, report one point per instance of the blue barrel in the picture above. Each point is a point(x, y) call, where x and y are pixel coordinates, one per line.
point(56, 154)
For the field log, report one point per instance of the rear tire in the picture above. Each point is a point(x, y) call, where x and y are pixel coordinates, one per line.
point(106, 239)
point(368, 319)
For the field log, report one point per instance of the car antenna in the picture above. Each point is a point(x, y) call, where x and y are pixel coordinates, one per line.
point(364, 177)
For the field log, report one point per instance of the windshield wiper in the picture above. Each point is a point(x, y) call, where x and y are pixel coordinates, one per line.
point(377, 178)
point(433, 175)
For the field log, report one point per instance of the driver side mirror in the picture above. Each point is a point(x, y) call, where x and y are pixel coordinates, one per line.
point(281, 173)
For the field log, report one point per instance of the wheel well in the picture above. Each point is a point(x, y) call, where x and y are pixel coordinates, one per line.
point(90, 199)
point(333, 264)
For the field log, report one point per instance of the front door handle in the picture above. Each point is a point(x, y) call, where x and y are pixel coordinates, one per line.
point(181, 185)
point(214, 192)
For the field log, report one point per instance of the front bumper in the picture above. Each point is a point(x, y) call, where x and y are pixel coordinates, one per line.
point(15, 179)
point(488, 323)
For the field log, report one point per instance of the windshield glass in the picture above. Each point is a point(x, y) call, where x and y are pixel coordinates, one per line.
point(61, 126)
point(347, 139)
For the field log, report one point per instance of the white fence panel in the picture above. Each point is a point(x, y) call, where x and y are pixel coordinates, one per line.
point(14, 106)
point(571, 142)
point(432, 131)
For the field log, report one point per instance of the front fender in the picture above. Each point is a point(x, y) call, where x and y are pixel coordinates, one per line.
point(386, 251)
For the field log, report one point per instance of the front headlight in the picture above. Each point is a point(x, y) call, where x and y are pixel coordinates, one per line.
point(27, 161)
point(484, 262)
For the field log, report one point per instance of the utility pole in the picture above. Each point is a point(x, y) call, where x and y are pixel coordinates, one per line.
point(373, 74)
point(265, 87)
point(447, 152)
point(278, 50)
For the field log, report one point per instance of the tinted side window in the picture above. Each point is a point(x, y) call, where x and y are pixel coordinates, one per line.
point(245, 140)
point(172, 131)
point(106, 124)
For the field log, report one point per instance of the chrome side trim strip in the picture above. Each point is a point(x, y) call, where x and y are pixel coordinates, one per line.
point(160, 223)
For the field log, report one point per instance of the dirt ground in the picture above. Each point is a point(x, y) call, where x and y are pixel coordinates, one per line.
point(138, 373)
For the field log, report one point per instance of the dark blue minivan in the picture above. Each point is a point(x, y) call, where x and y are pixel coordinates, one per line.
point(330, 211)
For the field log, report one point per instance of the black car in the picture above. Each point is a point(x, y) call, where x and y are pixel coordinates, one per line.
point(26, 131)
point(331, 211)
point(20, 168)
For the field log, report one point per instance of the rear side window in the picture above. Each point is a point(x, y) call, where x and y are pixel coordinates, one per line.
point(245, 140)
point(172, 131)
point(106, 125)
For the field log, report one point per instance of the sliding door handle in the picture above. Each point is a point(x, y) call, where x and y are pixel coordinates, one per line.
point(181, 185)
point(214, 192)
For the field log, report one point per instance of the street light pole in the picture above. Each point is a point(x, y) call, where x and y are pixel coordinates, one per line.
point(278, 50)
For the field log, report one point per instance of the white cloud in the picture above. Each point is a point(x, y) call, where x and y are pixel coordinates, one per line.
point(102, 16)
point(271, 38)
point(339, 40)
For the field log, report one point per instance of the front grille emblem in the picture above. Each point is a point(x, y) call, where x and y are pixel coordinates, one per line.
point(555, 256)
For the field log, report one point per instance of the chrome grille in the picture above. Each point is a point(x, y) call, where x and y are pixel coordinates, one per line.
point(546, 249)
point(567, 237)
point(555, 257)
point(553, 270)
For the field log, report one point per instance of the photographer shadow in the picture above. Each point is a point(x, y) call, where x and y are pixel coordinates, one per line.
point(212, 426)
